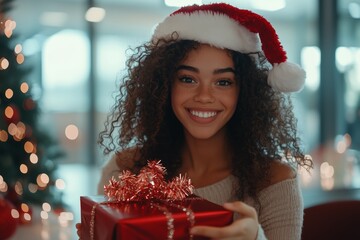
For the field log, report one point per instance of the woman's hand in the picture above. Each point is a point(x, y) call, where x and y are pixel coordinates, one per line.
point(78, 229)
point(246, 227)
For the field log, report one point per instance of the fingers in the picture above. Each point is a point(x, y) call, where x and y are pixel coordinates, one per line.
point(242, 208)
point(214, 232)
point(245, 227)
point(78, 228)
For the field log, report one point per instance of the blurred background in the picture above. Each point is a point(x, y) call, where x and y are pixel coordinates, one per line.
point(69, 55)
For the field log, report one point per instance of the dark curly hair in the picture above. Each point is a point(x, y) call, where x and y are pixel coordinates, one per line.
point(262, 129)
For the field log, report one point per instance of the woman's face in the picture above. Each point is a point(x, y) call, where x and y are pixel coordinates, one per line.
point(204, 92)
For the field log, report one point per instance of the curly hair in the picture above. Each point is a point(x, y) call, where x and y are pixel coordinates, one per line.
point(262, 129)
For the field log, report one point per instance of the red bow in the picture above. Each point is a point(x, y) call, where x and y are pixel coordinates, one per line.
point(149, 184)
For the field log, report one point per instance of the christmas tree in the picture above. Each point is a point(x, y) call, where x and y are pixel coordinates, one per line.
point(27, 151)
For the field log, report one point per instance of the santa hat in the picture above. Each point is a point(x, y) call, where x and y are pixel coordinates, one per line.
point(224, 26)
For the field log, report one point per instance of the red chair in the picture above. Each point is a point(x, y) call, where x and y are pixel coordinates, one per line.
point(332, 220)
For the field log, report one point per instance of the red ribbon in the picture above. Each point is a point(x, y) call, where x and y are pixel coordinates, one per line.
point(149, 184)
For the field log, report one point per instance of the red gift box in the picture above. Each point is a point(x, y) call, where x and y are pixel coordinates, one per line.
point(162, 220)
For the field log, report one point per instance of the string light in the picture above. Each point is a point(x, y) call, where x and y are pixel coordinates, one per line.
point(28, 147)
point(9, 93)
point(33, 187)
point(44, 215)
point(9, 112)
point(4, 63)
point(46, 207)
point(9, 27)
point(24, 207)
point(24, 87)
point(3, 185)
point(8, 32)
point(12, 128)
point(20, 58)
point(34, 158)
point(21, 129)
point(27, 217)
point(18, 188)
point(42, 180)
point(60, 184)
point(10, 24)
point(18, 48)
point(3, 136)
point(15, 213)
point(23, 168)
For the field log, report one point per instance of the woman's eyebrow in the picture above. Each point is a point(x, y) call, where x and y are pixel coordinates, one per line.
point(224, 70)
point(186, 67)
point(194, 69)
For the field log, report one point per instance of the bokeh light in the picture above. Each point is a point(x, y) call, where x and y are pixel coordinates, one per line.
point(71, 132)
point(60, 184)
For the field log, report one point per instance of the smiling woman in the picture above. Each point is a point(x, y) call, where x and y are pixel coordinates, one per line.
point(209, 107)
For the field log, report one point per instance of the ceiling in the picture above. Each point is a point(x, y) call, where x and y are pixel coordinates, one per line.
point(130, 16)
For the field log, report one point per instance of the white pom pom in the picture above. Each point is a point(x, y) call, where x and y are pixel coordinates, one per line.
point(286, 77)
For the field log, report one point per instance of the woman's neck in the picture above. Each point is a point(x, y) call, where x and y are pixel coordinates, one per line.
point(202, 157)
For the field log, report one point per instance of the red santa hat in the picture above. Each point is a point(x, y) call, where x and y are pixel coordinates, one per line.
point(224, 26)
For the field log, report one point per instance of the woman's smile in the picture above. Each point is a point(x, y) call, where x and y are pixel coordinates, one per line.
point(203, 114)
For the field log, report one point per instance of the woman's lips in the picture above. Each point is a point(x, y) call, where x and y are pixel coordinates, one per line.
point(202, 116)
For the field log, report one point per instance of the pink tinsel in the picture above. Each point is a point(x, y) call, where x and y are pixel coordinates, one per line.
point(149, 184)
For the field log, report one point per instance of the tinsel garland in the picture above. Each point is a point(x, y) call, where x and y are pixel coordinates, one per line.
point(149, 184)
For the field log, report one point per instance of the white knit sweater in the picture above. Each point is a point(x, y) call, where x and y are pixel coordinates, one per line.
point(281, 215)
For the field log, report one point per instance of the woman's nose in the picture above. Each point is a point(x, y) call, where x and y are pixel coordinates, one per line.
point(204, 94)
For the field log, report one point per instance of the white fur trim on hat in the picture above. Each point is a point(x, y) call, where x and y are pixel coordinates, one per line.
point(210, 28)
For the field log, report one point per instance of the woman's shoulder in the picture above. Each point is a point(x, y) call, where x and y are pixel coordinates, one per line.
point(126, 158)
point(279, 171)
point(282, 186)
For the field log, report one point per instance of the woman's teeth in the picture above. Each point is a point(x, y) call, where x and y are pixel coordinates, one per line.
point(203, 114)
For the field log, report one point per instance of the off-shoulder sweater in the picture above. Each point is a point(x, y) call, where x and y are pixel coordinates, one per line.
point(281, 215)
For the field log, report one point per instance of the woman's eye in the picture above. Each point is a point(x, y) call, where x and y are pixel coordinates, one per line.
point(224, 82)
point(186, 79)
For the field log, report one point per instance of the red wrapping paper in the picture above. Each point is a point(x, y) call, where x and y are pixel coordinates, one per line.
point(145, 220)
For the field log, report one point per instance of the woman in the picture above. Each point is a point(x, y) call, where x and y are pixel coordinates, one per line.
point(203, 98)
